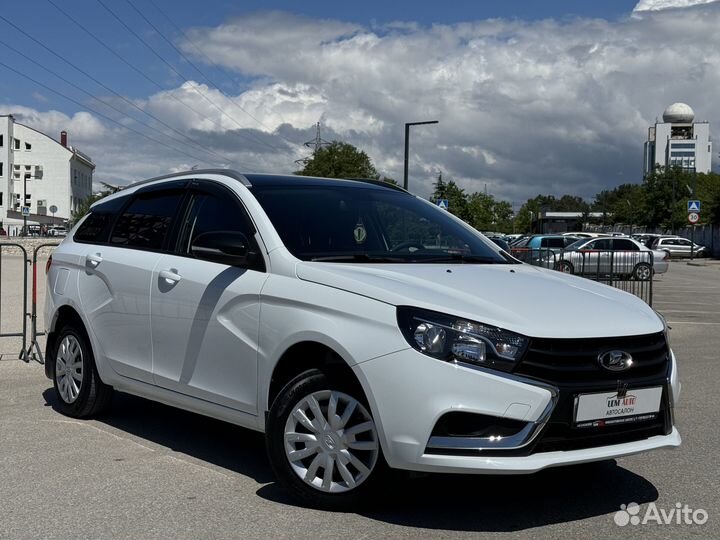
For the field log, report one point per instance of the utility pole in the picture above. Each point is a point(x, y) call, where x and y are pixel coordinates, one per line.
point(407, 146)
point(316, 144)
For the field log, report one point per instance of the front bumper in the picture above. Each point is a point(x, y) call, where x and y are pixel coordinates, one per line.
point(409, 392)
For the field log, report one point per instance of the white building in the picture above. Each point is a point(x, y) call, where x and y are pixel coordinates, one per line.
point(39, 172)
point(679, 141)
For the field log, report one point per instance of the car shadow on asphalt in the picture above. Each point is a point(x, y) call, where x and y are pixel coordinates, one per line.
point(475, 503)
point(215, 442)
point(495, 503)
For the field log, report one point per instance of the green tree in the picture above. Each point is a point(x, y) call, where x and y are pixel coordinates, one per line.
point(339, 160)
point(455, 195)
point(624, 204)
point(666, 193)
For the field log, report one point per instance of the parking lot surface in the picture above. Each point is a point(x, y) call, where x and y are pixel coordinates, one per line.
point(149, 471)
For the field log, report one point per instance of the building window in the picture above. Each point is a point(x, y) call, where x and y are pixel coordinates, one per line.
point(28, 176)
point(28, 146)
point(27, 167)
point(1, 198)
point(1, 168)
point(17, 144)
point(2, 140)
point(682, 145)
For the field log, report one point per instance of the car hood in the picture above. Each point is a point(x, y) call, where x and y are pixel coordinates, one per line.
point(532, 301)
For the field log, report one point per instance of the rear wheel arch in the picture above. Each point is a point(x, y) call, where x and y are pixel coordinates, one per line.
point(65, 315)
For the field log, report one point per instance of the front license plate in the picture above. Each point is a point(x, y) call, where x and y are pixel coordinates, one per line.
point(608, 408)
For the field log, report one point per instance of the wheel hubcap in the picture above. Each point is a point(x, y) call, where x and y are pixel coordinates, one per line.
point(331, 441)
point(69, 369)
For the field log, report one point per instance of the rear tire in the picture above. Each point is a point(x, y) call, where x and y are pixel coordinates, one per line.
point(319, 423)
point(565, 267)
point(80, 392)
point(643, 272)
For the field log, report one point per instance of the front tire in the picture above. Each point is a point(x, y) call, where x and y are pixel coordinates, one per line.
point(323, 443)
point(565, 267)
point(80, 392)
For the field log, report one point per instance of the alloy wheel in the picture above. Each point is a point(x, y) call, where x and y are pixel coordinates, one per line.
point(331, 442)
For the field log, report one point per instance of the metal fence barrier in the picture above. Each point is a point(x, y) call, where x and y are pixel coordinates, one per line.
point(629, 271)
point(30, 347)
point(14, 333)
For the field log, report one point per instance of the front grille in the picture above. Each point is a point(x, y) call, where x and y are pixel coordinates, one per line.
point(575, 361)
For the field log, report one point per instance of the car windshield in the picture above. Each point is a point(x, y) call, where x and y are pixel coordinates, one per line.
point(369, 224)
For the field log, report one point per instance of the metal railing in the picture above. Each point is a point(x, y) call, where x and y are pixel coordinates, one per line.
point(630, 271)
point(30, 347)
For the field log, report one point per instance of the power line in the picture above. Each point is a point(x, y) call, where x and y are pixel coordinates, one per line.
point(178, 73)
point(98, 113)
point(135, 68)
point(189, 61)
point(20, 53)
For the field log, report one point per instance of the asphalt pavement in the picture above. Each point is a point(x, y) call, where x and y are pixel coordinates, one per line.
point(149, 471)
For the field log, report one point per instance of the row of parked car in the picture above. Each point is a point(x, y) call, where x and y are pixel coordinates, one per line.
point(637, 256)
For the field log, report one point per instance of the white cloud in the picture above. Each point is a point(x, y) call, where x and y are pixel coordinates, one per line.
point(526, 107)
point(657, 5)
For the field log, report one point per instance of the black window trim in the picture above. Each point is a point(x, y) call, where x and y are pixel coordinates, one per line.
point(189, 186)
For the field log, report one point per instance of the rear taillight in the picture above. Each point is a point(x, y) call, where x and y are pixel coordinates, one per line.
point(48, 264)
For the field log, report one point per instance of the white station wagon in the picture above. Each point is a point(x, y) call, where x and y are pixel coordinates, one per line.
point(358, 326)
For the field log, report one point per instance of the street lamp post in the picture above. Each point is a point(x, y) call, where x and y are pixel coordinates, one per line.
point(407, 146)
point(630, 214)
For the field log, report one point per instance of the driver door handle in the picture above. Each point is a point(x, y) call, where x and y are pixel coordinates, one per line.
point(170, 276)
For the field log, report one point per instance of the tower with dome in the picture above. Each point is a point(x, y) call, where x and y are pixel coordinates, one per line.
point(679, 141)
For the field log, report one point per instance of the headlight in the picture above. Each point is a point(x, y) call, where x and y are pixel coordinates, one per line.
point(453, 339)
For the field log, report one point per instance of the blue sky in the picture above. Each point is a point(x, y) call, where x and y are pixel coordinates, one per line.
point(532, 96)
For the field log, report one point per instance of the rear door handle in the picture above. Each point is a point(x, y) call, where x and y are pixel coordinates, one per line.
point(93, 260)
point(170, 276)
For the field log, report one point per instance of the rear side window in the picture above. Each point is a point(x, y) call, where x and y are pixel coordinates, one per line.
point(147, 220)
point(553, 242)
point(624, 245)
point(95, 229)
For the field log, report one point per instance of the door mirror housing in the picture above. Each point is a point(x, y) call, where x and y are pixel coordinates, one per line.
point(226, 247)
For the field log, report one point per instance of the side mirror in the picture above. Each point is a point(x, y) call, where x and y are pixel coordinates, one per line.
point(226, 247)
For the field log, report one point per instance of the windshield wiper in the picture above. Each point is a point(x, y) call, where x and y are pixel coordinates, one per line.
point(361, 258)
point(465, 259)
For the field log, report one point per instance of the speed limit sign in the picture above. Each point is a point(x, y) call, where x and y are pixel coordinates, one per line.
point(693, 217)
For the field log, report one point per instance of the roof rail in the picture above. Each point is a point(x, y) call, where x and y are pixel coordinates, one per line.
point(377, 183)
point(226, 172)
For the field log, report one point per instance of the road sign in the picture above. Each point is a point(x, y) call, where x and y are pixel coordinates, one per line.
point(443, 203)
point(693, 217)
point(53, 209)
point(693, 206)
point(25, 211)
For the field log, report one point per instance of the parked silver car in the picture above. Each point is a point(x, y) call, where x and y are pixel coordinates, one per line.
point(612, 256)
point(679, 247)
